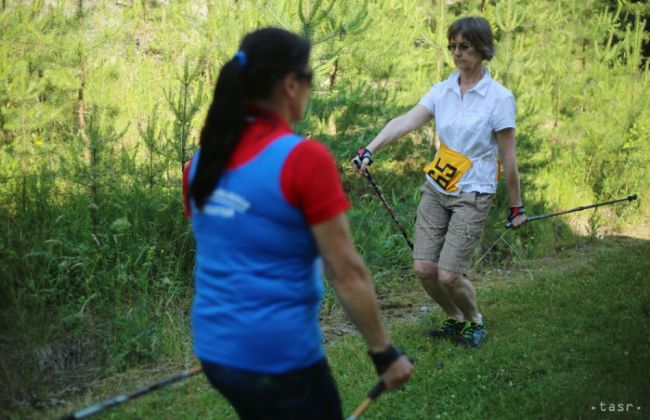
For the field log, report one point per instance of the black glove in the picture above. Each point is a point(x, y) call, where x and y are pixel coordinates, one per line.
point(384, 359)
point(364, 154)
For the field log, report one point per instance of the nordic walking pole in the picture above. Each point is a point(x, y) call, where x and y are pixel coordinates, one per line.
point(383, 200)
point(121, 399)
point(557, 213)
point(373, 394)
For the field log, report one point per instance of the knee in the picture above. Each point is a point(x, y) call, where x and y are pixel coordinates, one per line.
point(446, 279)
point(425, 270)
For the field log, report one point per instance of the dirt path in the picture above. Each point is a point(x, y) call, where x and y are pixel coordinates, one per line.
point(411, 306)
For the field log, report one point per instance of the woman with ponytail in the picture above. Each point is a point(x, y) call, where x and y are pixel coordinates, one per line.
point(268, 212)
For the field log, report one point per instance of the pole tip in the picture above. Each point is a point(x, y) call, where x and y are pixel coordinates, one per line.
point(632, 197)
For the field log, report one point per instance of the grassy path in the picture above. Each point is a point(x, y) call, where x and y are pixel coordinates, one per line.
point(569, 339)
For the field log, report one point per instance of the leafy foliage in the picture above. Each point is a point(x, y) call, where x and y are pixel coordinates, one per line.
point(91, 232)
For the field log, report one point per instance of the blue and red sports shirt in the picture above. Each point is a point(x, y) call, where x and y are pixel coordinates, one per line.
point(258, 275)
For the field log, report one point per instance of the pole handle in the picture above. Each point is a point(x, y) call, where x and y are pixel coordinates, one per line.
point(373, 394)
point(377, 390)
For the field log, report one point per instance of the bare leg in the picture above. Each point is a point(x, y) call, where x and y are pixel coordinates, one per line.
point(461, 292)
point(427, 271)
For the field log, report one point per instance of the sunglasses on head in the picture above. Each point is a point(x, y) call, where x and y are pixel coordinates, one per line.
point(463, 46)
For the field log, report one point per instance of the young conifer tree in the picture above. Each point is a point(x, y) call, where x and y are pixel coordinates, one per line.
point(185, 103)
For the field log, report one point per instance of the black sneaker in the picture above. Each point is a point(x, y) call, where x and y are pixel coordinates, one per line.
point(472, 335)
point(449, 329)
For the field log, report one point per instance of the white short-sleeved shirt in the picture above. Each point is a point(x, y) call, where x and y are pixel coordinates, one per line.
point(468, 126)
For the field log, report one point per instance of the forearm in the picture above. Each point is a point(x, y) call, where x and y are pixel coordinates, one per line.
point(506, 142)
point(397, 127)
point(351, 281)
point(391, 132)
point(356, 293)
point(512, 182)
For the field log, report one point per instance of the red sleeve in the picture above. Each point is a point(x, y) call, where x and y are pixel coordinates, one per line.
point(186, 189)
point(310, 181)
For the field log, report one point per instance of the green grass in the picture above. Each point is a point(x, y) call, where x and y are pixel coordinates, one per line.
point(98, 297)
point(567, 333)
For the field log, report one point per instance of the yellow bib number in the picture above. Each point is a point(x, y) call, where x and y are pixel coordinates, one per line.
point(447, 168)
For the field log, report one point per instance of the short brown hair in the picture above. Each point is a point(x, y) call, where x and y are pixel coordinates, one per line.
point(477, 31)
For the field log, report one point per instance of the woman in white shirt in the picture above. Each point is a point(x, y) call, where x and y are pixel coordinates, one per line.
point(475, 119)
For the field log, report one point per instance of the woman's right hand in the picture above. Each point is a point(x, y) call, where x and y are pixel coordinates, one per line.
point(397, 373)
point(362, 160)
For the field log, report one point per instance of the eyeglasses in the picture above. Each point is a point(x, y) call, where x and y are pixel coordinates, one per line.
point(461, 47)
point(306, 75)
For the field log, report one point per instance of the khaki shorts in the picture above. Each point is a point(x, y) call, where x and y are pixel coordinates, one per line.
point(448, 227)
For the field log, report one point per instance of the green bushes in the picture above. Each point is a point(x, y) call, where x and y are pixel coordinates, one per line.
point(93, 244)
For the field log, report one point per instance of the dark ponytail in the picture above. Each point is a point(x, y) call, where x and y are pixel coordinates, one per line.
point(264, 57)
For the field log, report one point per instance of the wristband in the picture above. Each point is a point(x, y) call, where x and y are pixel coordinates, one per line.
point(384, 359)
point(364, 153)
point(515, 211)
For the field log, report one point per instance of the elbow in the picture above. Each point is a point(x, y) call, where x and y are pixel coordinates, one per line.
point(348, 272)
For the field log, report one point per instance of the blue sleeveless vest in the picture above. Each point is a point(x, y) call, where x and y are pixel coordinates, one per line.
point(258, 274)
